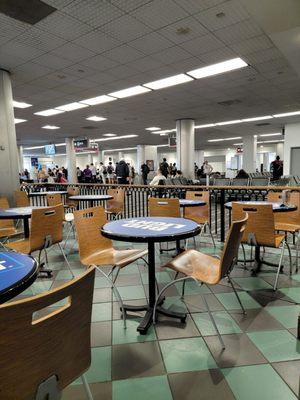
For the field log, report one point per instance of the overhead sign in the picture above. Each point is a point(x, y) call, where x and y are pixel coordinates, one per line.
point(84, 146)
point(172, 139)
point(34, 162)
point(80, 143)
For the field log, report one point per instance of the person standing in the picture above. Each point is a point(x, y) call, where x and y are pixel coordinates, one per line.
point(102, 172)
point(207, 168)
point(145, 171)
point(87, 174)
point(94, 173)
point(164, 167)
point(79, 175)
point(122, 172)
point(277, 168)
point(110, 173)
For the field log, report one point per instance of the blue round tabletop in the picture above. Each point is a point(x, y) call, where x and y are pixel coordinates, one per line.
point(277, 207)
point(150, 229)
point(191, 203)
point(17, 272)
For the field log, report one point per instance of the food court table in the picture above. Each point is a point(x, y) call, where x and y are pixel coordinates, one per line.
point(151, 230)
point(277, 207)
point(23, 213)
point(37, 194)
point(191, 203)
point(91, 198)
point(17, 273)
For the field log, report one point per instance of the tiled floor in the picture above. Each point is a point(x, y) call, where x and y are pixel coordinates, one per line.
point(185, 361)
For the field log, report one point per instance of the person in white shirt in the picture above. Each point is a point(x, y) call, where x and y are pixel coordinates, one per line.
point(158, 177)
point(94, 172)
point(102, 169)
point(207, 168)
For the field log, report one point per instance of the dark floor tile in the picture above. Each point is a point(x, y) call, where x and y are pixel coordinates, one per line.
point(255, 320)
point(239, 350)
point(167, 328)
point(201, 385)
point(101, 334)
point(100, 391)
point(136, 360)
point(294, 331)
point(290, 373)
point(266, 297)
point(171, 291)
point(222, 288)
point(195, 303)
point(117, 314)
point(128, 280)
point(284, 281)
point(102, 295)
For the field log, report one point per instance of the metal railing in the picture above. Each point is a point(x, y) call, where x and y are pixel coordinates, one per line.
point(136, 198)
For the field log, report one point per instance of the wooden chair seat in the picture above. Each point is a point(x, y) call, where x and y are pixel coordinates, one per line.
point(286, 227)
point(22, 246)
point(111, 256)
point(200, 266)
point(278, 239)
point(6, 232)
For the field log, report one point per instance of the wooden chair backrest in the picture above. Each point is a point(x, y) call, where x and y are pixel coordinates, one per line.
point(291, 217)
point(232, 244)
point(260, 222)
point(21, 198)
point(88, 223)
point(54, 199)
point(34, 348)
point(5, 223)
point(116, 205)
point(163, 207)
point(46, 222)
point(72, 191)
point(198, 214)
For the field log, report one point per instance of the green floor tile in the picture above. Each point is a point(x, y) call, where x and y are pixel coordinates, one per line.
point(259, 382)
point(293, 293)
point(66, 274)
point(101, 312)
point(100, 369)
point(252, 283)
point(37, 288)
point(230, 301)
point(130, 269)
point(152, 388)
point(174, 303)
point(130, 334)
point(101, 282)
point(296, 277)
point(161, 277)
point(224, 321)
point(286, 315)
point(182, 355)
point(131, 292)
point(276, 345)
point(192, 287)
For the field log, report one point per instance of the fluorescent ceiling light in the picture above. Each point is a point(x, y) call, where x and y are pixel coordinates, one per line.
point(257, 118)
point(270, 141)
point(98, 100)
point(115, 138)
point(20, 104)
point(50, 127)
point(162, 145)
point(163, 134)
point(71, 106)
point(236, 121)
point(132, 91)
point(219, 68)
point(48, 113)
point(271, 134)
point(110, 134)
point(163, 131)
point(170, 81)
point(19, 120)
point(126, 148)
point(60, 144)
point(204, 126)
point(34, 147)
point(95, 118)
point(152, 128)
point(237, 144)
point(288, 114)
point(220, 140)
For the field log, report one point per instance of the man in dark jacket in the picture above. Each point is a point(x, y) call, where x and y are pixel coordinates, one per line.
point(122, 172)
point(164, 167)
point(277, 168)
point(145, 171)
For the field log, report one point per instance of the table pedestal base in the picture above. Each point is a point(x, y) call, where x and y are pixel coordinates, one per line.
point(259, 262)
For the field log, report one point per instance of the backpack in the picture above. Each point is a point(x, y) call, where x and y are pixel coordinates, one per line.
point(104, 171)
point(110, 169)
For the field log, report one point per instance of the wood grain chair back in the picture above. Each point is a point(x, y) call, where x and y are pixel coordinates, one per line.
point(232, 244)
point(260, 222)
point(291, 217)
point(198, 214)
point(5, 223)
point(34, 348)
point(116, 205)
point(163, 207)
point(88, 223)
point(72, 191)
point(46, 223)
point(21, 198)
point(54, 199)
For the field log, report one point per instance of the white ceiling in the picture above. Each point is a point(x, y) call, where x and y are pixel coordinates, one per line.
point(92, 47)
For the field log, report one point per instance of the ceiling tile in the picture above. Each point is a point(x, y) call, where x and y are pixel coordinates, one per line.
point(123, 54)
point(97, 41)
point(238, 32)
point(99, 62)
point(203, 44)
point(130, 5)
point(40, 40)
point(252, 45)
point(172, 55)
point(52, 61)
point(183, 30)
point(151, 43)
point(194, 6)
point(73, 52)
point(125, 28)
point(145, 64)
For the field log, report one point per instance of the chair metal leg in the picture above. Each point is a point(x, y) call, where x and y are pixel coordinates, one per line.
point(183, 289)
point(290, 258)
point(213, 321)
point(279, 265)
point(297, 250)
point(244, 255)
point(211, 235)
point(68, 234)
point(237, 296)
point(66, 260)
point(87, 389)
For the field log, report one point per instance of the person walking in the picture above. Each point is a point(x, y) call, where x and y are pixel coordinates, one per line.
point(94, 173)
point(79, 175)
point(87, 174)
point(164, 167)
point(145, 171)
point(277, 168)
point(102, 172)
point(122, 172)
point(110, 172)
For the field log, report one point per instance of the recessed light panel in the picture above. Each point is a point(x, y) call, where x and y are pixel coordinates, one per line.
point(257, 118)
point(132, 91)
point(219, 68)
point(153, 128)
point(48, 113)
point(220, 140)
point(115, 138)
point(288, 114)
point(19, 120)
point(96, 118)
point(236, 121)
point(98, 100)
point(50, 127)
point(167, 82)
point(71, 106)
point(20, 104)
point(109, 134)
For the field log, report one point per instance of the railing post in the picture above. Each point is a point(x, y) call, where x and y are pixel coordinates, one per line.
point(222, 214)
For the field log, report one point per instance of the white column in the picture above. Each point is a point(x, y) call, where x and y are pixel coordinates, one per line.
point(71, 160)
point(140, 157)
point(144, 153)
point(21, 159)
point(280, 149)
point(9, 178)
point(199, 157)
point(266, 162)
point(185, 146)
point(120, 155)
point(291, 139)
point(249, 153)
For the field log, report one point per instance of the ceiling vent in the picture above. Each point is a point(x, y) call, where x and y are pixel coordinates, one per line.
point(228, 103)
point(29, 11)
point(89, 127)
point(263, 124)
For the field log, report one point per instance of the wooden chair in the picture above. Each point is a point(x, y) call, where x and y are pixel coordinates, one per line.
point(72, 204)
point(200, 214)
point(163, 207)
point(46, 231)
point(115, 206)
point(7, 226)
point(204, 268)
point(95, 249)
point(40, 356)
point(21, 198)
point(260, 229)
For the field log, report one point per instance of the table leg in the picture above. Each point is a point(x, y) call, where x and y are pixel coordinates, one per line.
point(26, 227)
